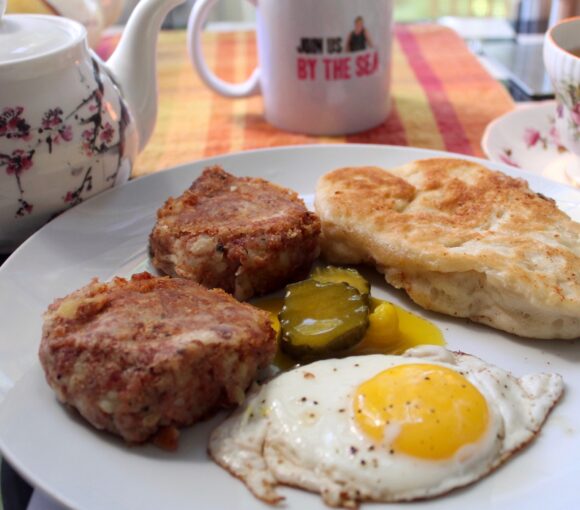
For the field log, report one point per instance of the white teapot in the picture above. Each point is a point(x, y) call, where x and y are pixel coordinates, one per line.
point(70, 125)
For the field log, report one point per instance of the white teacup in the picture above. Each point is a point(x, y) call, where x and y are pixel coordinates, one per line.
point(562, 61)
point(324, 65)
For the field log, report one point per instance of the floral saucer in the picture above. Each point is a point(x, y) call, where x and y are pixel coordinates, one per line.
point(526, 138)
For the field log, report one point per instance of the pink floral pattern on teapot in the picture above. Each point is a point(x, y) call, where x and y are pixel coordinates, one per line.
point(88, 125)
point(71, 125)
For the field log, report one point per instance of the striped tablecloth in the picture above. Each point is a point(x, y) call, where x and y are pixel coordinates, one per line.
point(442, 99)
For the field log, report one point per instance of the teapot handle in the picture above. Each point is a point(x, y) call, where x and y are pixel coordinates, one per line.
point(195, 24)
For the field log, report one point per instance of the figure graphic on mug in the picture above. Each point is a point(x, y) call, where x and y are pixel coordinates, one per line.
point(359, 39)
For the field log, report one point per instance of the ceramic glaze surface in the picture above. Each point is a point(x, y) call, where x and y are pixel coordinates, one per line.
point(87, 12)
point(57, 150)
point(70, 125)
point(563, 68)
point(527, 138)
point(324, 70)
point(42, 35)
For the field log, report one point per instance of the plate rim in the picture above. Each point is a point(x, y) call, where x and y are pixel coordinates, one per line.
point(500, 166)
point(423, 152)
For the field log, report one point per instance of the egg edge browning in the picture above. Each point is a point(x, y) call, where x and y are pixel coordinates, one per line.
point(250, 464)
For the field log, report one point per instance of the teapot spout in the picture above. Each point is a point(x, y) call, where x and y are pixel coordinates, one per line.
point(133, 64)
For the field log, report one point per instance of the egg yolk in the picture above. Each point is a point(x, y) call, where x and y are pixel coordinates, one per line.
point(423, 410)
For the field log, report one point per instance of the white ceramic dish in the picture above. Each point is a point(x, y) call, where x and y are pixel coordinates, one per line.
point(526, 138)
point(107, 236)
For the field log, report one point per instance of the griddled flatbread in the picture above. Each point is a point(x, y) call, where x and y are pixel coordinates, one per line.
point(459, 239)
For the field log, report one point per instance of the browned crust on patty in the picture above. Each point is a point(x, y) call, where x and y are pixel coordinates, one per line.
point(242, 234)
point(135, 356)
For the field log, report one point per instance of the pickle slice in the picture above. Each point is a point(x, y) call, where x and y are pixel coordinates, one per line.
point(320, 320)
point(333, 274)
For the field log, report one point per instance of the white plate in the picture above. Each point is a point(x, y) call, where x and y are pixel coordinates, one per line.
point(108, 235)
point(526, 138)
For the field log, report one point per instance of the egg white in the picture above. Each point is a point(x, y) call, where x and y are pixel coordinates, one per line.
point(299, 430)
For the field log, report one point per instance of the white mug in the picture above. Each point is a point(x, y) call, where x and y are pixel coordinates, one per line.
point(324, 65)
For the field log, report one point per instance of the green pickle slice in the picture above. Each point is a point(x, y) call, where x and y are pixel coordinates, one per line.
point(333, 274)
point(320, 320)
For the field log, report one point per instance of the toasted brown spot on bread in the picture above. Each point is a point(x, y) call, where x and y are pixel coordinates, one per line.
point(460, 239)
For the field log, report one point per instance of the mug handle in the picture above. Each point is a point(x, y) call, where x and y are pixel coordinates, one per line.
point(195, 24)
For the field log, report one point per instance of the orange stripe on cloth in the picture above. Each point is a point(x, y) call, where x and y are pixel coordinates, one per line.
point(390, 132)
point(218, 137)
point(413, 104)
point(184, 108)
point(467, 85)
point(194, 122)
point(453, 133)
point(240, 107)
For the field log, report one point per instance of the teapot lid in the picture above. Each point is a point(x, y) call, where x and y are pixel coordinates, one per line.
point(29, 36)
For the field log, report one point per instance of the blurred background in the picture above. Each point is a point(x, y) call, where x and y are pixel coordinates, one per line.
point(523, 15)
point(506, 35)
point(405, 10)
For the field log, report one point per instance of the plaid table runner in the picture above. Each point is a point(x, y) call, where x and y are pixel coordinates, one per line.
point(442, 99)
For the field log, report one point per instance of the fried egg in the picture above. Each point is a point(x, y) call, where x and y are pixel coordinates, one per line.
point(382, 428)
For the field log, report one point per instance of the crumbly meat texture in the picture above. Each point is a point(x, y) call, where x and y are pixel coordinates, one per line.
point(244, 235)
point(459, 239)
point(137, 356)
